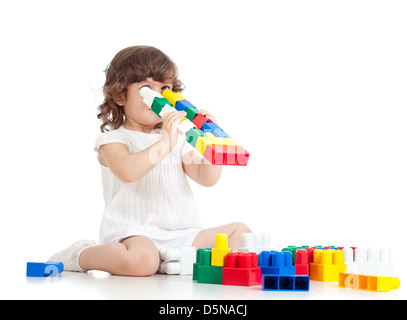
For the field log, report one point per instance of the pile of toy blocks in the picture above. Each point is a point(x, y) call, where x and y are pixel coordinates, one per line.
point(354, 268)
point(292, 268)
point(206, 137)
point(271, 269)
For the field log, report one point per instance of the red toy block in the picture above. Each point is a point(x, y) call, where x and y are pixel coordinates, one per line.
point(241, 269)
point(223, 154)
point(301, 262)
point(199, 120)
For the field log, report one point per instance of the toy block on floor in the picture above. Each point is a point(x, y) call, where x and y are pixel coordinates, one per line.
point(369, 283)
point(203, 271)
point(276, 262)
point(49, 268)
point(327, 264)
point(255, 242)
point(179, 260)
point(241, 269)
point(220, 251)
point(285, 283)
point(370, 261)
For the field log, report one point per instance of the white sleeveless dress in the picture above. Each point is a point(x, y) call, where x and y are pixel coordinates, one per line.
point(159, 205)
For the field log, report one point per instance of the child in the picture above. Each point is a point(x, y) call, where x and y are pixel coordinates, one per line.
point(144, 162)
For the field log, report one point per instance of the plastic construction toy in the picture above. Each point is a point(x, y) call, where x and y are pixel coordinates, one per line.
point(327, 264)
point(276, 263)
point(241, 269)
point(206, 137)
point(220, 251)
point(285, 283)
point(255, 242)
point(203, 271)
point(178, 260)
point(370, 261)
point(365, 282)
point(40, 269)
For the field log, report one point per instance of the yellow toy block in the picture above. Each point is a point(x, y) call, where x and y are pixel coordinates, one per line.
point(370, 283)
point(209, 138)
point(172, 97)
point(327, 264)
point(220, 251)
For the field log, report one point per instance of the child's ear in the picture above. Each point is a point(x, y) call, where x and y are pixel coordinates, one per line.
point(121, 99)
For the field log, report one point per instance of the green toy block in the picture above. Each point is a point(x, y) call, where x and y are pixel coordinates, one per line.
point(203, 271)
point(210, 274)
point(158, 104)
point(191, 113)
point(193, 134)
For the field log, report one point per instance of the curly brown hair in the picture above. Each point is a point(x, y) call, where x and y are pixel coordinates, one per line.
point(130, 65)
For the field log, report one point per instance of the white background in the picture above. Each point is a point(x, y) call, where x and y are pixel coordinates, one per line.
point(314, 90)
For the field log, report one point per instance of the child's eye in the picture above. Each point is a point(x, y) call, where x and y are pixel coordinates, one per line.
point(165, 87)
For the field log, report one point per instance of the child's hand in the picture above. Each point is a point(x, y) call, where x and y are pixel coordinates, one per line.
point(170, 130)
point(209, 115)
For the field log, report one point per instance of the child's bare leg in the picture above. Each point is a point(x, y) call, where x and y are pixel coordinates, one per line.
point(206, 238)
point(134, 256)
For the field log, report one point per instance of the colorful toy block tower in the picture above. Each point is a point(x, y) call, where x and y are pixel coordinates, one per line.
point(206, 137)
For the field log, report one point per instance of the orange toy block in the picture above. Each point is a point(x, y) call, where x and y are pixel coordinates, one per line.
point(327, 264)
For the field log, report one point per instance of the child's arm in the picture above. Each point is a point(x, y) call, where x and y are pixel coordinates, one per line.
point(199, 169)
point(129, 167)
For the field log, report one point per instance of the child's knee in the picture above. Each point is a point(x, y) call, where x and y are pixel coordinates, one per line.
point(142, 263)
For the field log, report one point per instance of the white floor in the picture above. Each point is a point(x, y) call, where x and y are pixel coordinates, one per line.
point(101, 285)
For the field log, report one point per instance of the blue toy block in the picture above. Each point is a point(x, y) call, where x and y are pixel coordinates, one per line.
point(35, 269)
point(181, 105)
point(40, 269)
point(285, 283)
point(275, 262)
point(214, 129)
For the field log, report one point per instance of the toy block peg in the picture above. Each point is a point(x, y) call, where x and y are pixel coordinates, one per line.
point(301, 262)
point(220, 251)
point(370, 261)
point(255, 242)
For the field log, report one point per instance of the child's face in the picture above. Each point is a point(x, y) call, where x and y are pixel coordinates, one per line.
point(138, 115)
